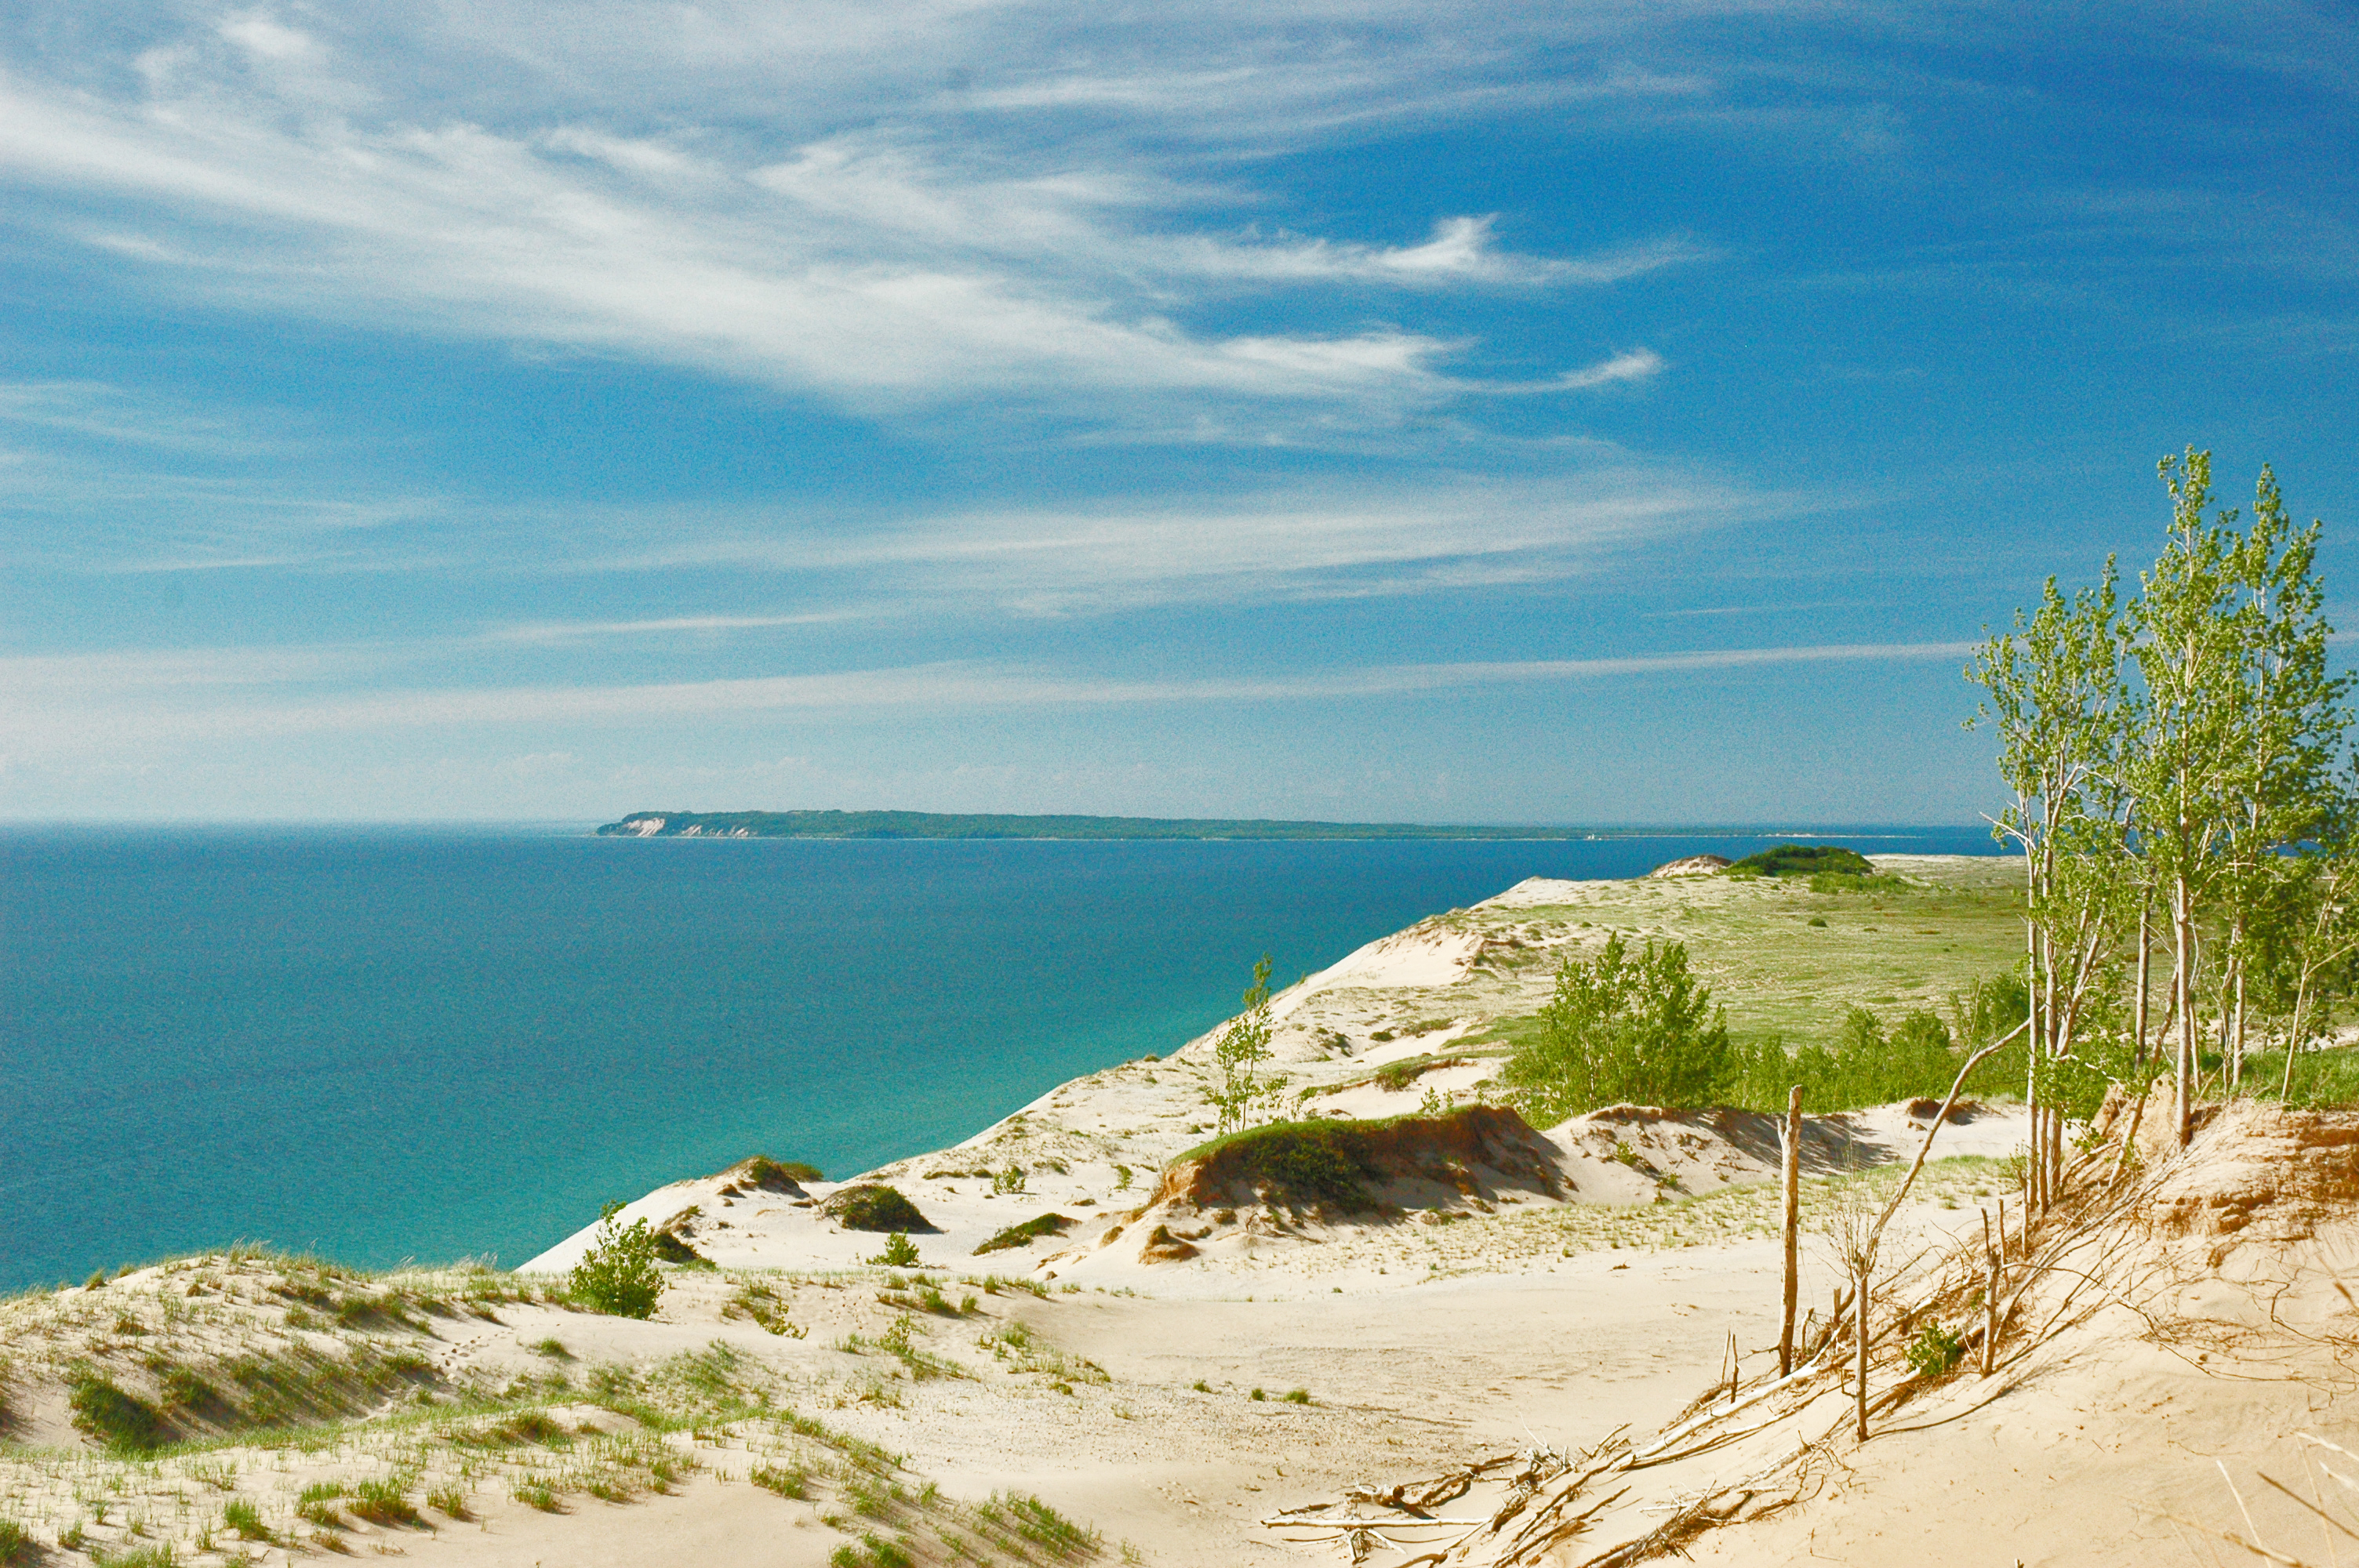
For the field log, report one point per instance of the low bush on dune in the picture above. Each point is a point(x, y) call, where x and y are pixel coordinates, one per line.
point(1333, 1167)
point(673, 1250)
point(1307, 1163)
point(761, 1171)
point(869, 1205)
point(1801, 860)
point(618, 1275)
point(1023, 1234)
point(1636, 1027)
point(1864, 1064)
point(1297, 1164)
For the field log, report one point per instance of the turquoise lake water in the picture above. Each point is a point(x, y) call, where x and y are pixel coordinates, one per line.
point(383, 1043)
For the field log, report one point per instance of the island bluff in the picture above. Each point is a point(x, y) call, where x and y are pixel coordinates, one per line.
point(1923, 1209)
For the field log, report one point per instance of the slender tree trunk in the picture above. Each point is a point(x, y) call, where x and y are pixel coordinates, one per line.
point(1990, 1296)
point(2293, 1035)
point(2182, 964)
point(2236, 1055)
point(2146, 951)
point(1793, 1172)
point(2055, 1156)
point(2031, 1058)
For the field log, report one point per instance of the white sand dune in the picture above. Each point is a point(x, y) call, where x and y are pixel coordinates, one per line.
point(1583, 1289)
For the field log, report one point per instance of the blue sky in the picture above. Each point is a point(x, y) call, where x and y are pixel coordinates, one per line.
point(1576, 413)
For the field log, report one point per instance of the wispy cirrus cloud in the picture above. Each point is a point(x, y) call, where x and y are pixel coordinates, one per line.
point(259, 162)
point(47, 704)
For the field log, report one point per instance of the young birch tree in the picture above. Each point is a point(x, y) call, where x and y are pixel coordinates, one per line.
point(2292, 720)
point(2243, 723)
point(2183, 769)
point(2054, 690)
point(1238, 1056)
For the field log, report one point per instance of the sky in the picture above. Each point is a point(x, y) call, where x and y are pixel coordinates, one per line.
point(1580, 413)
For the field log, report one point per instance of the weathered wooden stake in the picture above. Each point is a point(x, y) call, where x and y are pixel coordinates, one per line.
point(1859, 1327)
point(1989, 1296)
point(1793, 1163)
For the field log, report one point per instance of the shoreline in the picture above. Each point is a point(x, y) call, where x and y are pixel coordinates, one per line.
point(1090, 1151)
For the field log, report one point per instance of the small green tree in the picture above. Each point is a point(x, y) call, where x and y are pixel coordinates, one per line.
point(618, 1275)
point(1239, 1054)
point(1623, 1027)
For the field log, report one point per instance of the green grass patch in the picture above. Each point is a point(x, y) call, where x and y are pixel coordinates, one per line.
point(761, 1171)
point(786, 1481)
point(1034, 1521)
point(1854, 882)
point(118, 1422)
point(1027, 1233)
point(870, 1205)
point(382, 1501)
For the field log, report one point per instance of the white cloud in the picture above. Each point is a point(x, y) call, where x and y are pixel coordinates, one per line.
point(927, 259)
point(56, 708)
point(1335, 540)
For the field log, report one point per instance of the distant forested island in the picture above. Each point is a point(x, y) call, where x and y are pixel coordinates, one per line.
point(947, 824)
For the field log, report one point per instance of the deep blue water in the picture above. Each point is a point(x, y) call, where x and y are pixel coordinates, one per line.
point(390, 1043)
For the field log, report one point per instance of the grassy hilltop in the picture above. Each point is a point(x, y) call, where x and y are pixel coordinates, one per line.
point(1786, 955)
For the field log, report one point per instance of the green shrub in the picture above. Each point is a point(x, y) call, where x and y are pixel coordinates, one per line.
point(1023, 1234)
point(449, 1499)
point(1308, 1163)
point(1623, 1027)
point(900, 1252)
point(868, 1206)
point(1935, 1350)
point(618, 1275)
point(1298, 1396)
point(15, 1545)
point(122, 1423)
point(1011, 1180)
point(1803, 859)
